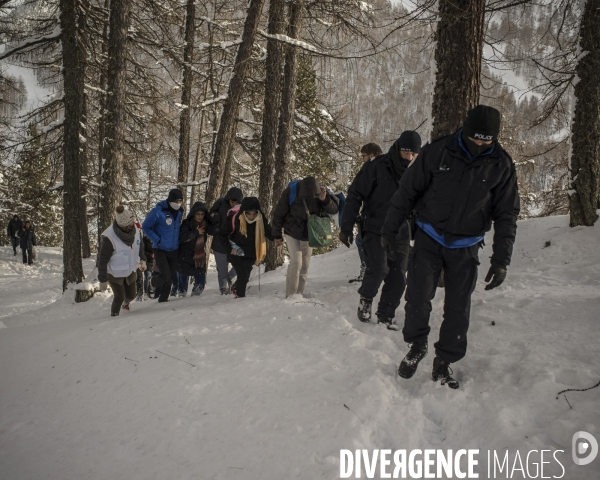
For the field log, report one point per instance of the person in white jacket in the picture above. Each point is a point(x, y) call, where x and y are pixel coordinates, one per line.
point(121, 254)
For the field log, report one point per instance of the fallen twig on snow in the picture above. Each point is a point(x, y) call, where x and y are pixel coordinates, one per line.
point(131, 360)
point(176, 358)
point(568, 401)
point(188, 342)
point(348, 408)
point(576, 390)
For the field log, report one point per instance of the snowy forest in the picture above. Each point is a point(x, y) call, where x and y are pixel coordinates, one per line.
point(134, 97)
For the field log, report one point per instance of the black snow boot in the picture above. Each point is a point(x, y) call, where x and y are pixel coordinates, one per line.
point(442, 371)
point(409, 364)
point(384, 319)
point(174, 290)
point(394, 326)
point(364, 309)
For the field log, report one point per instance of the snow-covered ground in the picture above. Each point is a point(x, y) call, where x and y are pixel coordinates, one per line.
point(273, 388)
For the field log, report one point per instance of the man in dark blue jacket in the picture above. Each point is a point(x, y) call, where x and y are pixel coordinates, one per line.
point(162, 227)
point(459, 185)
point(372, 190)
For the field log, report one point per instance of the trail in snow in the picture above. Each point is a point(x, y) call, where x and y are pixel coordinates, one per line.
point(87, 396)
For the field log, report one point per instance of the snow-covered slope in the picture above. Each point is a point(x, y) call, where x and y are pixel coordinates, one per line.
point(271, 388)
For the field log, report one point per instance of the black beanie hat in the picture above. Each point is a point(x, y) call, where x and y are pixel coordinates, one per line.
point(250, 203)
point(482, 123)
point(409, 141)
point(175, 195)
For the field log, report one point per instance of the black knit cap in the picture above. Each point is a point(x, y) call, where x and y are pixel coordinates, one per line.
point(250, 203)
point(175, 195)
point(482, 123)
point(409, 141)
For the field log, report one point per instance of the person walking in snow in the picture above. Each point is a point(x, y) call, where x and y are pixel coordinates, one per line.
point(368, 152)
point(459, 185)
point(192, 248)
point(290, 219)
point(217, 218)
point(121, 254)
point(143, 277)
point(27, 241)
point(162, 227)
point(245, 231)
point(12, 231)
point(372, 190)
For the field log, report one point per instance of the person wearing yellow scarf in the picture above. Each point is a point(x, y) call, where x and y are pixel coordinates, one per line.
point(246, 231)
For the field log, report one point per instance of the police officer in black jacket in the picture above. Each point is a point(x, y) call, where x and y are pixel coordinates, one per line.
point(460, 184)
point(372, 190)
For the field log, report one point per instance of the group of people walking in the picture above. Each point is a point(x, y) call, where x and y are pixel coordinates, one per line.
point(239, 230)
point(442, 198)
point(22, 234)
point(417, 214)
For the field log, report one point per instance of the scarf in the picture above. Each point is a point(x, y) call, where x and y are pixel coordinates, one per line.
point(199, 252)
point(260, 243)
point(126, 237)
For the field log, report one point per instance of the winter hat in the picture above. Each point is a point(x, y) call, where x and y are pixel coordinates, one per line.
point(409, 141)
point(175, 195)
point(250, 203)
point(234, 193)
point(124, 218)
point(482, 123)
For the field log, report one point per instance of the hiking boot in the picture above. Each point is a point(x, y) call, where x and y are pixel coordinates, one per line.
point(409, 364)
point(125, 306)
point(442, 371)
point(197, 290)
point(364, 309)
point(233, 291)
point(173, 291)
point(394, 326)
point(139, 297)
point(114, 314)
point(384, 319)
point(182, 294)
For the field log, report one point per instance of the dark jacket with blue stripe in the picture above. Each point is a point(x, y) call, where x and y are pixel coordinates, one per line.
point(460, 197)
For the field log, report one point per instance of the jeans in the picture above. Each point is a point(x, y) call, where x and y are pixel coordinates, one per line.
point(224, 274)
point(361, 251)
point(183, 281)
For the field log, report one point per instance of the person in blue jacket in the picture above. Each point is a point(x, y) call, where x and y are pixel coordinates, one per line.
point(162, 227)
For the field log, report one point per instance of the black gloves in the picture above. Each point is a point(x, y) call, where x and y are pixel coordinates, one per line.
point(388, 242)
point(346, 238)
point(498, 272)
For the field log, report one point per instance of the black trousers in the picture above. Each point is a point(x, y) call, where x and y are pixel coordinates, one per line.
point(122, 292)
point(15, 243)
point(427, 259)
point(380, 269)
point(243, 269)
point(27, 252)
point(166, 263)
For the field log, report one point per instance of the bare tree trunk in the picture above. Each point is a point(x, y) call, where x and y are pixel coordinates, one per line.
point(228, 124)
point(73, 86)
point(112, 172)
point(285, 132)
point(186, 94)
point(102, 120)
point(458, 56)
point(86, 251)
point(272, 103)
point(585, 156)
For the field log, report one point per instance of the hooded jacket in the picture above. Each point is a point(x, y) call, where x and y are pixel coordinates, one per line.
point(231, 233)
point(162, 227)
point(292, 218)
point(460, 197)
point(187, 240)
point(27, 238)
point(372, 188)
point(14, 226)
point(218, 216)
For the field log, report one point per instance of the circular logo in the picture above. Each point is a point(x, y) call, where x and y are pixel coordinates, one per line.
point(169, 221)
point(585, 448)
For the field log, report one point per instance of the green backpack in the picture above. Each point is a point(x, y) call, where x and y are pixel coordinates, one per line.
point(319, 230)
